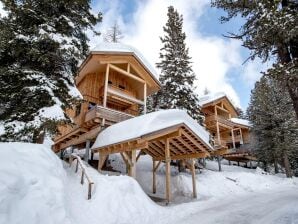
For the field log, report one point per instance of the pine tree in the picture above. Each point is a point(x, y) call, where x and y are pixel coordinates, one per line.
point(113, 34)
point(269, 32)
point(41, 43)
point(275, 128)
point(177, 77)
point(241, 113)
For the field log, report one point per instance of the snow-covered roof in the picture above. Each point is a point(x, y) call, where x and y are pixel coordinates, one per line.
point(241, 121)
point(108, 47)
point(146, 124)
point(211, 97)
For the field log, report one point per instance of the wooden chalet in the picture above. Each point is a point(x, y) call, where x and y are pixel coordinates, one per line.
point(231, 134)
point(114, 81)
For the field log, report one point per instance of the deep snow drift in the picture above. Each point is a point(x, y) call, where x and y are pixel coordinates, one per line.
point(36, 187)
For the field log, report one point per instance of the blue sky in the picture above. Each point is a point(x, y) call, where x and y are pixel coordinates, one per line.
point(217, 61)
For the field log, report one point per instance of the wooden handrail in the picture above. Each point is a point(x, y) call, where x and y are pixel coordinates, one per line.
point(84, 172)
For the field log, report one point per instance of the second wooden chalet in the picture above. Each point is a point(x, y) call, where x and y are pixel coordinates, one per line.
point(114, 81)
point(230, 133)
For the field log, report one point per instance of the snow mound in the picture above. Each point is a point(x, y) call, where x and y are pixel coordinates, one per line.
point(137, 127)
point(31, 185)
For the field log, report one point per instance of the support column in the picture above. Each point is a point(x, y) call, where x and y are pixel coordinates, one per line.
point(153, 177)
point(241, 137)
point(233, 138)
point(168, 170)
point(193, 173)
point(105, 93)
point(218, 134)
point(132, 166)
point(87, 151)
point(219, 163)
point(145, 98)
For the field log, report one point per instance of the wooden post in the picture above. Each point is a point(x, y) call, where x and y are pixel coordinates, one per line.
point(77, 166)
point(194, 188)
point(105, 93)
point(89, 190)
point(219, 163)
point(145, 98)
point(100, 161)
point(241, 137)
point(168, 170)
point(218, 134)
point(233, 138)
point(153, 177)
point(86, 157)
point(82, 177)
point(132, 166)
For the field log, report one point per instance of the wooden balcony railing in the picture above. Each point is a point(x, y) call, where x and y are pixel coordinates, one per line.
point(221, 120)
point(106, 113)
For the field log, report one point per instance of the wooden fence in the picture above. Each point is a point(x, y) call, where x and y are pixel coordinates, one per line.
point(84, 172)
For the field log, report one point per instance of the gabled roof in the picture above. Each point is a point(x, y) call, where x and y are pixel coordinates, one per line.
point(214, 98)
point(111, 48)
point(138, 127)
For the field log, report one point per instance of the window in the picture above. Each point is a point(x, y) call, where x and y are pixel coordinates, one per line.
point(78, 110)
point(91, 105)
point(121, 87)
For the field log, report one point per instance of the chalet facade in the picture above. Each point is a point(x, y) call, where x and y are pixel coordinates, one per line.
point(114, 81)
point(230, 133)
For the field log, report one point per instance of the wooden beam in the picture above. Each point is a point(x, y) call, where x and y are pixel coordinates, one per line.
point(218, 133)
point(132, 166)
point(185, 156)
point(145, 98)
point(171, 132)
point(127, 158)
point(168, 170)
point(139, 155)
point(101, 160)
point(179, 147)
point(193, 175)
point(233, 138)
point(153, 177)
point(123, 72)
point(187, 145)
point(199, 146)
point(105, 93)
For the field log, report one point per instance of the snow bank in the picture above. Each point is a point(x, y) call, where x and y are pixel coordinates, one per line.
point(124, 48)
point(31, 185)
point(137, 127)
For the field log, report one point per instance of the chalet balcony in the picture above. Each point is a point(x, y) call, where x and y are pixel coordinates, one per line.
point(97, 113)
point(212, 119)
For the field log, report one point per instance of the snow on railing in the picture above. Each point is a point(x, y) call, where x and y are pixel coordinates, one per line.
point(84, 172)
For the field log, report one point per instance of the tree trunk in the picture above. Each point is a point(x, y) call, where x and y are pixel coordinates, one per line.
point(38, 136)
point(292, 89)
point(287, 164)
point(275, 166)
point(181, 166)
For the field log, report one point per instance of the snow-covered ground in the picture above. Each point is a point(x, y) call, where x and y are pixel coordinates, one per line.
point(36, 187)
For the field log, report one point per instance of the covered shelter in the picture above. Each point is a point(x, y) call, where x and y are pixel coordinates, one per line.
point(164, 135)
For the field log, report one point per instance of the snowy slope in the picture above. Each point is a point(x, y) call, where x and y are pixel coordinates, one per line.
point(36, 187)
point(31, 185)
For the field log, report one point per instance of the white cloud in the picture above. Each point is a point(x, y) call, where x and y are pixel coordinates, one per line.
point(213, 57)
point(252, 71)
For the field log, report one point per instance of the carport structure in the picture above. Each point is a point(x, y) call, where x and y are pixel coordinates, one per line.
point(164, 135)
